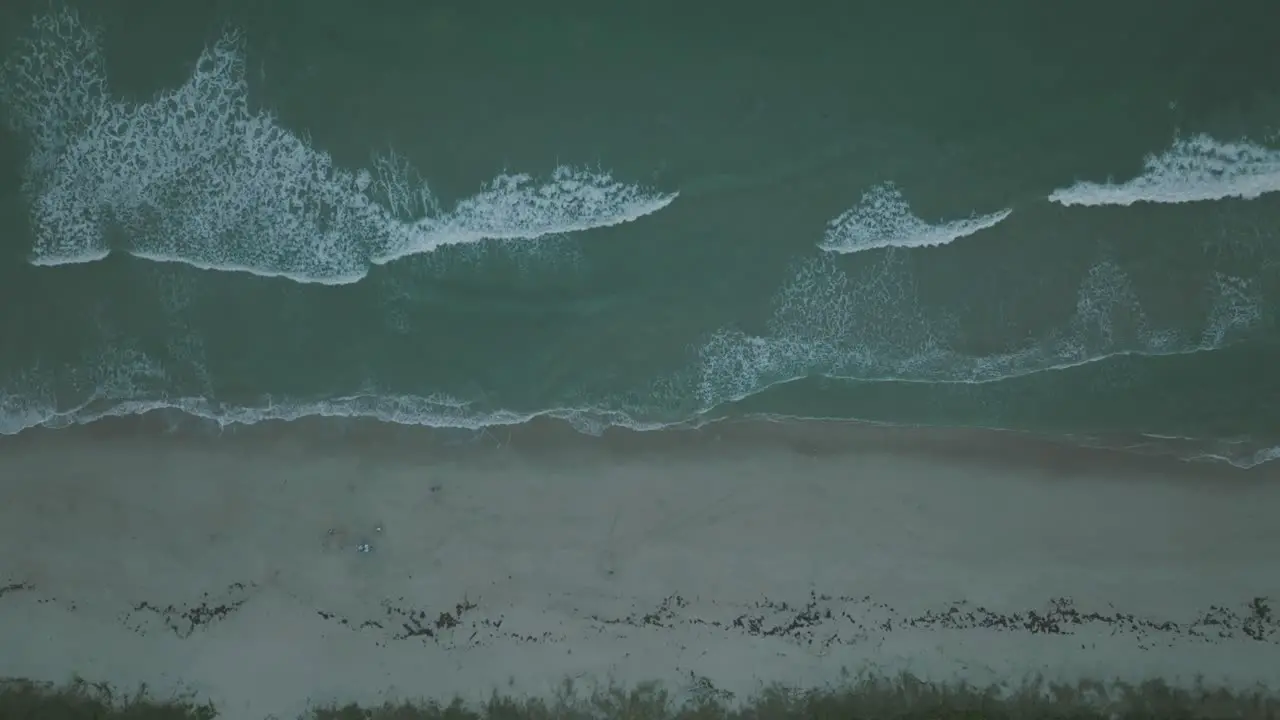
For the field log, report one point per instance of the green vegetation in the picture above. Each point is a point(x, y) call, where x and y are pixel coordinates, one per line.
point(79, 700)
point(901, 699)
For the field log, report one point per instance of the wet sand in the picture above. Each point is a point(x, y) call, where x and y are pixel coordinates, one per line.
point(322, 561)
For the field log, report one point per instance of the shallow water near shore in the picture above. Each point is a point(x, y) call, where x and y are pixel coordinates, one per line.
point(472, 216)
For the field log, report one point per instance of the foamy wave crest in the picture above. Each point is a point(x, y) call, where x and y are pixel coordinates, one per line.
point(23, 412)
point(195, 176)
point(873, 327)
point(118, 380)
point(1194, 169)
point(882, 219)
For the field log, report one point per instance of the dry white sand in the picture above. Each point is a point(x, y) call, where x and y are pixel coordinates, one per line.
point(743, 555)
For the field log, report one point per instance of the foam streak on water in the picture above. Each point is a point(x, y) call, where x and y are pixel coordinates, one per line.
point(195, 176)
point(871, 326)
point(882, 219)
point(1194, 169)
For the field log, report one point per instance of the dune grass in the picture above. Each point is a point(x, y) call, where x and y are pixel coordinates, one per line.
point(81, 700)
point(903, 698)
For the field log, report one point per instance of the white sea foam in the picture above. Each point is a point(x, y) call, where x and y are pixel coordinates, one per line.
point(1237, 304)
point(118, 380)
point(872, 327)
point(1242, 452)
point(195, 176)
point(34, 406)
point(883, 219)
point(1194, 169)
point(516, 207)
point(1262, 456)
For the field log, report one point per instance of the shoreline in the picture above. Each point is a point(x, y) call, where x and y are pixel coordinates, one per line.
point(313, 561)
point(543, 435)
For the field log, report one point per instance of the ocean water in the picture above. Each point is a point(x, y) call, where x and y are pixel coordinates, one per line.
point(1061, 220)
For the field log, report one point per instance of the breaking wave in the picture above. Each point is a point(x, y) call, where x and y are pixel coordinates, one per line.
point(883, 219)
point(195, 176)
point(1193, 169)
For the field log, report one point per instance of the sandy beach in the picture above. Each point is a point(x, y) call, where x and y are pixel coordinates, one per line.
point(287, 565)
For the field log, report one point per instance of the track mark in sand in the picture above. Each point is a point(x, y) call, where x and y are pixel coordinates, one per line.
point(15, 587)
point(184, 620)
point(671, 523)
point(826, 620)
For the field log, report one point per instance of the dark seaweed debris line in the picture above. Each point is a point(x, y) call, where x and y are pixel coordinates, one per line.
point(185, 620)
point(824, 620)
point(827, 620)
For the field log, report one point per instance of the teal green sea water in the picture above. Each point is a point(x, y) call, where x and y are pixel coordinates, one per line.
point(1063, 219)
